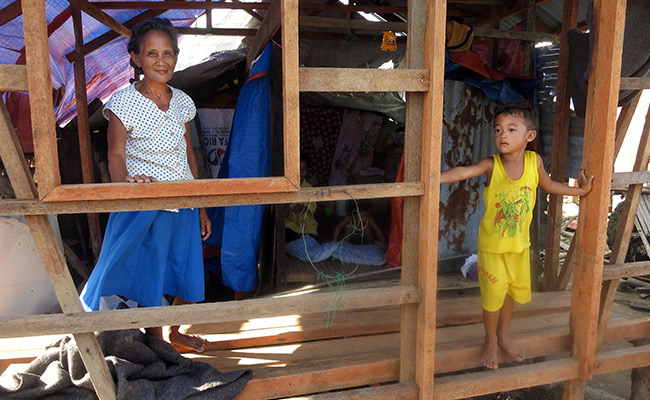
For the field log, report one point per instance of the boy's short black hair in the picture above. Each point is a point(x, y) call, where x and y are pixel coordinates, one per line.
point(528, 113)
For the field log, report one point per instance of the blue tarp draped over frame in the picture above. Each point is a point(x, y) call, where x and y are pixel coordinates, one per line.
point(249, 155)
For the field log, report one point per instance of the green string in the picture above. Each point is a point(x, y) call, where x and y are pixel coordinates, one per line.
point(336, 287)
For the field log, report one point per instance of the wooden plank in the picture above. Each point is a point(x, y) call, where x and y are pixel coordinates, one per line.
point(322, 22)
point(600, 128)
point(96, 13)
point(265, 31)
point(635, 83)
point(83, 126)
point(319, 194)
point(197, 187)
point(290, 90)
point(621, 359)
point(11, 11)
point(625, 270)
point(412, 155)
point(623, 123)
point(363, 80)
point(630, 178)
point(488, 33)
point(216, 31)
point(318, 376)
point(432, 122)
point(560, 146)
point(201, 313)
point(13, 78)
point(398, 391)
point(40, 95)
point(96, 365)
point(183, 5)
point(505, 379)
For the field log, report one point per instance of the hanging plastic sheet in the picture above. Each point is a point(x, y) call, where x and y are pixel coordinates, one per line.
point(249, 155)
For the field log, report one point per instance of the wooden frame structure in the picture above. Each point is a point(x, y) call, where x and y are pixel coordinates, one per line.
point(416, 295)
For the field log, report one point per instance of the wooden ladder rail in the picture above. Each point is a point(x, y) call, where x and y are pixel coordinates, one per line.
point(38, 84)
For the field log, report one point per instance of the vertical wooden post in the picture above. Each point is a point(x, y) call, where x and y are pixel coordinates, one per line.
point(291, 90)
point(529, 47)
point(411, 206)
point(434, 55)
point(83, 126)
point(623, 122)
point(493, 44)
point(40, 95)
point(600, 127)
point(560, 143)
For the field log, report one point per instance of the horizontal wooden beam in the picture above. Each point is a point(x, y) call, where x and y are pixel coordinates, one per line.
point(104, 18)
point(363, 80)
point(505, 379)
point(630, 178)
point(216, 31)
point(633, 83)
point(279, 305)
point(625, 270)
point(322, 22)
point(515, 35)
point(318, 194)
point(622, 359)
point(13, 78)
point(195, 5)
point(198, 187)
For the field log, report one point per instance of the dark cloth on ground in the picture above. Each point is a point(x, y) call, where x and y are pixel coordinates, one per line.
point(143, 367)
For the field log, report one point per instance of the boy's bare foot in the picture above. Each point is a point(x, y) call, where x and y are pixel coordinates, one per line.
point(510, 347)
point(489, 354)
point(182, 342)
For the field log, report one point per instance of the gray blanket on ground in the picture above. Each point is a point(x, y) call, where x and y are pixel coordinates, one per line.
point(142, 366)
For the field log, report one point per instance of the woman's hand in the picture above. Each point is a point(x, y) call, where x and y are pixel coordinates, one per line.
point(205, 224)
point(141, 179)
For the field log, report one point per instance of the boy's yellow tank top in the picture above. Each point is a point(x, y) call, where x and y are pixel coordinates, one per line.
point(509, 204)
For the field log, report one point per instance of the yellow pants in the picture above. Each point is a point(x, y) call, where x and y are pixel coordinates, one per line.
point(503, 273)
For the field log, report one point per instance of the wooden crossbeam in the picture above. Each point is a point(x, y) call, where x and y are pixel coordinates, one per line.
point(10, 12)
point(402, 391)
point(322, 22)
point(13, 78)
point(488, 33)
point(505, 379)
point(104, 18)
point(625, 270)
point(319, 194)
point(363, 80)
point(630, 178)
point(201, 313)
point(216, 31)
point(622, 359)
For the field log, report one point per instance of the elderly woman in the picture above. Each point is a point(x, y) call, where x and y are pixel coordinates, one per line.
point(148, 254)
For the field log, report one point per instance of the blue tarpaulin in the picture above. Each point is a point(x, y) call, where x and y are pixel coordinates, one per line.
point(249, 155)
point(107, 69)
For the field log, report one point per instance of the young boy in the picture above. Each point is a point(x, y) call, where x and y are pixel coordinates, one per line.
point(503, 240)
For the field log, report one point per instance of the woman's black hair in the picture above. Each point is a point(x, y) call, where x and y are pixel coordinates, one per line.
point(139, 31)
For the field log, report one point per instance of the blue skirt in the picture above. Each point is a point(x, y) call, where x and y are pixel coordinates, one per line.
point(147, 254)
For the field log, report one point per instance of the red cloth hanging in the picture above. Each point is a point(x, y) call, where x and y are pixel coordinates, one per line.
point(394, 252)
